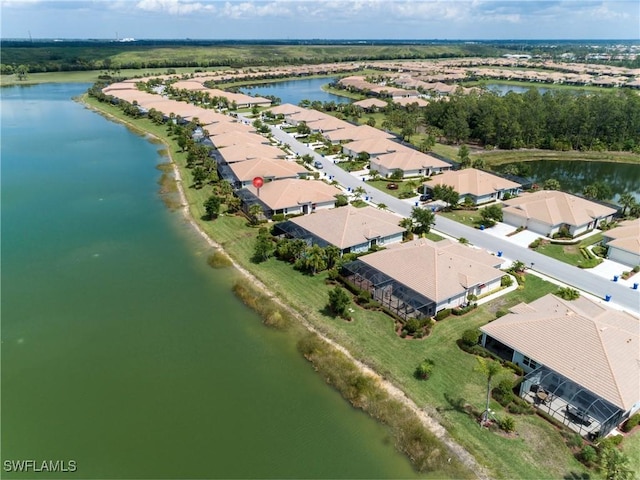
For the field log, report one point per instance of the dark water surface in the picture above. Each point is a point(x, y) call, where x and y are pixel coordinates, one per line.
point(294, 91)
point(121, 349)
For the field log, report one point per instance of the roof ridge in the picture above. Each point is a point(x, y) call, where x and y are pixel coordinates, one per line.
point(608, 360)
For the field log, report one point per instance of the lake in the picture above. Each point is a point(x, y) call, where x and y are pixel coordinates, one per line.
point(121, 349)
point(574, 175)
point(294, 91)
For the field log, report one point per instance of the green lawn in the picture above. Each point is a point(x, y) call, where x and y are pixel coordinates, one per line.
point(538, 450)
point(406, 186)
point(631, 446)
point(470, 218)
point(569, 253)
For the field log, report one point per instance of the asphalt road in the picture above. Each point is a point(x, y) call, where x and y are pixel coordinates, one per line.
point(621, 295)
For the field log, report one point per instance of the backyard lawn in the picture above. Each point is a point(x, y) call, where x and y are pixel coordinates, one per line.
point(571, 254)
point(536, 451)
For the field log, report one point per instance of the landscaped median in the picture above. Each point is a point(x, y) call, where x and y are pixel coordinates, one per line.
point(536, 451)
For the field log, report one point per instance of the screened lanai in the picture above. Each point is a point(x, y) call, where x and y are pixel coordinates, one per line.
point(293, 230)
point(400, 299)
point(573, 405)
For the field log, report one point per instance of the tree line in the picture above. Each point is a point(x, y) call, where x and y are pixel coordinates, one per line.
point(555, 120)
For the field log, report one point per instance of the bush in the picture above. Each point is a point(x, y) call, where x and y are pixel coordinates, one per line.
point(506, 281)
point(463, 310)
point(508, 424)
point(470, 337)
point(536, 243)
point(501, 313)
point(412, 326)
point(278, 217)
point(610, 442)
point(442, 314)
point(575, 440)
point(424, 369)
point(516, 368)
point(588, 455)
point(636, 269)
point(631, 423)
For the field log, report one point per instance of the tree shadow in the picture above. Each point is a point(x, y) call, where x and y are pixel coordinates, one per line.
point(577, 476)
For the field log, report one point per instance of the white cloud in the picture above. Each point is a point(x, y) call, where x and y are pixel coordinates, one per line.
point(174, 7)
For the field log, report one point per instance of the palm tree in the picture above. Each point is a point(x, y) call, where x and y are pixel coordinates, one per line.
point(332, 255)
point(358, 192)
point(489, 369)
point(626, 200)
point(382, 206)
point(315, 259)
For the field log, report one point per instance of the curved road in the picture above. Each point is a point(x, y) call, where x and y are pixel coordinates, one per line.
point(621, 295)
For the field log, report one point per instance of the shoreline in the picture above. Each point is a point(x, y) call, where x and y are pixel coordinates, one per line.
point(395, 392)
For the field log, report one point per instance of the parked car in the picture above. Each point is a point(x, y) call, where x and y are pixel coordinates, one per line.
point(425, 197)
point(318, 164)
point(392, 186)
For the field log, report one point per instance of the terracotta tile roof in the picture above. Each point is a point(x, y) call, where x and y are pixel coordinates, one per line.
point(241, 152)
point(553, 208)
point(589, 343)
point(237, 138)
point(375, 146)
point(349, 226)
point(409, 159)
point(220, 128)
point(360, 132)
point(437, 270)
point(473, 182)
point(285, 109)
point(328, 124)
point(371, 102)
point(293, 192)
point(266, 168)
point(626, 236)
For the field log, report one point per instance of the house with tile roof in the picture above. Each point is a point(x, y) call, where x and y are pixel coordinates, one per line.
point(353, 134)
point(412, 163)
point(623, 242)
point(374, 146)
point(547, 211)
point(242, 152)
point(351, 229)
point(370, 104)
point(290, 196)
point(480, 186)
point(422, 277)
point(241, 174)
point(583, 356)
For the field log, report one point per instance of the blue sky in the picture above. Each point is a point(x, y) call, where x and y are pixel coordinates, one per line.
point(321, 19)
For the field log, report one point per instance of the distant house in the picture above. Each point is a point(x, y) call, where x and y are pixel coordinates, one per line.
point(479, 186)
point(547, 211)
point(348, 228)
point(352, 134)
point(623, 243)
point(583, 356)
point(411, 162)
point(249, 151)
point(290, 196)
point(420, 278)
point(370, 104)
point(374, 146)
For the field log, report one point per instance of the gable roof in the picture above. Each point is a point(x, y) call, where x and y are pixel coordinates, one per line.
point(471, 181)
point(626, 236)
point(241, 152)
point(375, 146)
point(437, 270)
point(589, 343)
point(553, 208)
point(370, 102)
point(348, 226)
point(293, 192)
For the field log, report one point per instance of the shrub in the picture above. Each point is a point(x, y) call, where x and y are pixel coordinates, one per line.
point(470, 337)
point(508, 424)
point(516, 368)
point(588, 454)
point(463, 310)
point(568, 293)
point(442, 314)
point(363, 297)
point(610, 442)
point(636, 269)
point(278, 217)
point(631, 423)
point(412, 326)
point(424, 369)
point(536, 243)
point(506, 281)
point(501, 313)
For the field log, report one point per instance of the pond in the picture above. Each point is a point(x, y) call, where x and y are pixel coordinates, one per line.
point(294, 91)
point(574, 175)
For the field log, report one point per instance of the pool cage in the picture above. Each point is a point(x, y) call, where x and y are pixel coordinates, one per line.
point(573, 405)
point(398, 298)
point(293, 230)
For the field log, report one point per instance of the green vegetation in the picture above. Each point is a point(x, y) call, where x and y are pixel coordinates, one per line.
point(370, 338)
point(575, 254)
point(219, 259)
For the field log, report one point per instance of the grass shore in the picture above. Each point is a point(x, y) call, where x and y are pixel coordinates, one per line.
point(537, 451)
